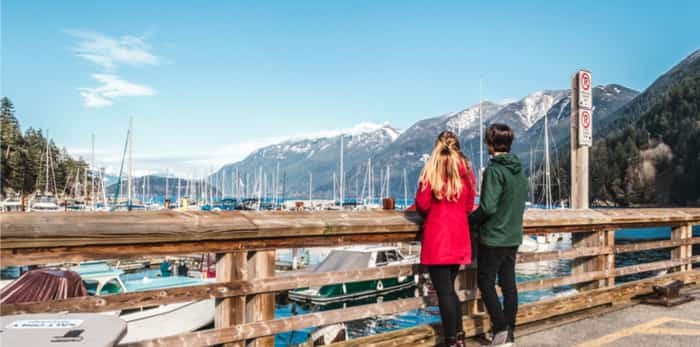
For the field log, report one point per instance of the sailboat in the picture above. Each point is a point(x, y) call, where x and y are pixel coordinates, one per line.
point(46, 202)
point(550, 241)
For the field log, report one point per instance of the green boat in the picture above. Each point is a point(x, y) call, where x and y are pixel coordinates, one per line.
point(354, 258)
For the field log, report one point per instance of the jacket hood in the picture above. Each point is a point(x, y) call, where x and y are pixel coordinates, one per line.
point(510, 161)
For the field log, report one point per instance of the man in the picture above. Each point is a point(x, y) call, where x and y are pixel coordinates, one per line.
point(500, 220)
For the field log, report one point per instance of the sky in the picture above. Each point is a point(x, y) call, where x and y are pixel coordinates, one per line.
point(208, 82)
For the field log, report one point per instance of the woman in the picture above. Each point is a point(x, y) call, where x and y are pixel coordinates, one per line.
point(445, 195)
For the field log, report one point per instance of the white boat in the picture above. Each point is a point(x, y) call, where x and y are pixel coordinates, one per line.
point(44, 203)
point(154, 321)
point(11, 204)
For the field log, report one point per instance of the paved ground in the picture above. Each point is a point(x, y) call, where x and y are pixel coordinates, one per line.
point(636, 326)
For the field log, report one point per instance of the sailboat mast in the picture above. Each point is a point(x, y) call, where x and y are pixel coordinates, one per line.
point(131, 167)
point(166, 184)
point(547, 172)
point(311, 177)
point(92, 175)
point(405, 189)
point(46, 187)
point(481, 134)
point(342, 174)
point(388, 177)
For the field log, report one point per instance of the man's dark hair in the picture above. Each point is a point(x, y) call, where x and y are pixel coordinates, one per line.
point(500, 137)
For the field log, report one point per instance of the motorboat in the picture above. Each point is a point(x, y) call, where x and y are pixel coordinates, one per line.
point(354, 258)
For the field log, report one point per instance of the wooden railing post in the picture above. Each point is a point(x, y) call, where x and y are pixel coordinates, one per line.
point(610, 258)
point(689, 237)
point(581, 265)
point(245, 309)
point(231, 311)
point(684, 251)
point(261, 264)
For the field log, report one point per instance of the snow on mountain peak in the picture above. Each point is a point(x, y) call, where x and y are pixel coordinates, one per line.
point(466, 118)
point(536, 105)
point(358, 129)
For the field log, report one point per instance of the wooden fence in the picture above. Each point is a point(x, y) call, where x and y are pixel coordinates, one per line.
point(245, 244)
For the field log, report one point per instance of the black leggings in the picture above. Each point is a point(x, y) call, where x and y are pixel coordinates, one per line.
point(443, 278)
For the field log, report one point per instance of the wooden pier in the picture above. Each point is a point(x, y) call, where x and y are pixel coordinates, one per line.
point(246, 241)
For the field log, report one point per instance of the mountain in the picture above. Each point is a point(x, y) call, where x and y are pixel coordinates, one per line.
point(650, 154)
point(607, 100)
point(653, 95)
point(156, 187)
point(319, 156)
point(395, 151)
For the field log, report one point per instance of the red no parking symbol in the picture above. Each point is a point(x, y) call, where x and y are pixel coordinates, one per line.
point(585, 119)
point(586, 81)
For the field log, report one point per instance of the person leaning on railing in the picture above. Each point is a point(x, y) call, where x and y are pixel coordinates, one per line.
point(445, 195)
point(499, 219)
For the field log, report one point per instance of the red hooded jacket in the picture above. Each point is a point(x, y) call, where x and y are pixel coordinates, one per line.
point(446, 238)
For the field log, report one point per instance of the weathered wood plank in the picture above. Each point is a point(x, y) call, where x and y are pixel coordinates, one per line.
point(526, 313)
point(21, 230)
point(261, 307)
point(268, 328)
point(646, 267)
point(645, 246)
point(561, 281)
point(528, 257)
point(74, 254)
point(230, 311)
point(235, 287)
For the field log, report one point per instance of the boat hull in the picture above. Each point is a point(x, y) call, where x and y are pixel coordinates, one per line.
point(166, 320)
point(345, 292)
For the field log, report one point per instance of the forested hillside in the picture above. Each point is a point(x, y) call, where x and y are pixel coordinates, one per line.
point(24, 158)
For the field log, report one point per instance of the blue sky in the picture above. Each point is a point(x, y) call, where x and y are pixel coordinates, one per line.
point(207, 82)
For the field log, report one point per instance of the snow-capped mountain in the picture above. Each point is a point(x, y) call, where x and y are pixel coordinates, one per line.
point(387, 147)
point(524, 113)
point(318, 154)
point(606, 100)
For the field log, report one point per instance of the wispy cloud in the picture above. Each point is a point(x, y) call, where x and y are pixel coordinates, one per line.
point(110, 88)
point(109, 52)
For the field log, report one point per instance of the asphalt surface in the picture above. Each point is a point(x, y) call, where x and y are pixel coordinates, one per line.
point(636, 326)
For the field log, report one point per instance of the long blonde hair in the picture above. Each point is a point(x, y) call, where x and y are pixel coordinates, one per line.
point(442, 170)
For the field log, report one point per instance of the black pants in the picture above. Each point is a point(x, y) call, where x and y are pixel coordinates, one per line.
point(498, 261)
point(443, 278)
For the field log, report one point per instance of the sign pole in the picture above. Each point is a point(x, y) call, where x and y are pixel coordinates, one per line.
point(581, 137)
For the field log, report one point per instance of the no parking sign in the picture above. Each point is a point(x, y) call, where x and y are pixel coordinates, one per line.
point(585, 94)
point(585, 131)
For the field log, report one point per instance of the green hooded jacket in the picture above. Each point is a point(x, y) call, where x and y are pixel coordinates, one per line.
point(502, 202)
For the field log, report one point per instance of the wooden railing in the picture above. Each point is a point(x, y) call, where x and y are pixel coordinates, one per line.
point(245, 244)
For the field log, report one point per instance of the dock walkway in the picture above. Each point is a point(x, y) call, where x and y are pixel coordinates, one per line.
point(635, 326)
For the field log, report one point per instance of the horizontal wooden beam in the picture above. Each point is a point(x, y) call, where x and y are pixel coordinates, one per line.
point(272, 327)
point(31, 230)
point(653, 266)
point(529, 257)
point(553, 282)
point(526, 313)
point(207, 291)
point(75, 254)
point(645, 246)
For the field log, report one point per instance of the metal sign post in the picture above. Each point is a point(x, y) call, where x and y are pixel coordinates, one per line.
point(581, 136)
